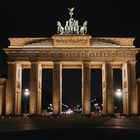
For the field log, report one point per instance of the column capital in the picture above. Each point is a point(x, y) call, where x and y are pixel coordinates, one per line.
point(2, 81)
point(56, 61)
point(34, 62)
point(108, 62)
point(11, 62)
point(138, 81)
point(86, 61)
point(38, 63)
point(132, 62)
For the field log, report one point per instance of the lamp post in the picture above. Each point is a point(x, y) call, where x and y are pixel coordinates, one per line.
point(119, 96)
point(26, 93)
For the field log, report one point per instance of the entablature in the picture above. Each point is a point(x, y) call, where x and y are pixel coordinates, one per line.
point(72, 54)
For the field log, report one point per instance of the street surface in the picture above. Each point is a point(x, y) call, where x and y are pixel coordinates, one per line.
point(69, 128)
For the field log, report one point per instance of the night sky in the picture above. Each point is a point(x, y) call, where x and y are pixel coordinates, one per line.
point(106, 18)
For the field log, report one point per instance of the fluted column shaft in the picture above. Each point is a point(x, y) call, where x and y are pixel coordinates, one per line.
point(138, 92)
point(57, 88)
point(2, 95)
point(107, 89)
point(130, 95)
point(86, 95)
point(35, 88)
point(13, 88)
point(132, 88)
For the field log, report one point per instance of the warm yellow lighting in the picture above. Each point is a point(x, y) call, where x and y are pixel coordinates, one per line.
point(119, 93)
point(26, 93)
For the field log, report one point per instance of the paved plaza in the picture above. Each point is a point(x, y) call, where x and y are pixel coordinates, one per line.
point(69, 127)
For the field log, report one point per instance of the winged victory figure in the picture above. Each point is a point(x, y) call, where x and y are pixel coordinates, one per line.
point(71, 11)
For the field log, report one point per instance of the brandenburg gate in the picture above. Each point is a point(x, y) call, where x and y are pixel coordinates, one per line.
point(70, 48)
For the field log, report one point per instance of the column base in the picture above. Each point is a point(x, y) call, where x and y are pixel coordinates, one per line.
point(56, 115)
point(86, 115)
point(108, 115)
point(12, 116)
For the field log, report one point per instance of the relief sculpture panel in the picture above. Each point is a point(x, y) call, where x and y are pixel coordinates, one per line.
point(68, 54)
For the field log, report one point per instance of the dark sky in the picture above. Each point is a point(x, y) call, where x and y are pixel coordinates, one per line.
point(38, 18)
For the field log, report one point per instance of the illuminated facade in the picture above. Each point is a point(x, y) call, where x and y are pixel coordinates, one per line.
point(71, 48)
point(66, 52)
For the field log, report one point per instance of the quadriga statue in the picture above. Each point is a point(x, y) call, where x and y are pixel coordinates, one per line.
point(83, 29)
point(60, 29)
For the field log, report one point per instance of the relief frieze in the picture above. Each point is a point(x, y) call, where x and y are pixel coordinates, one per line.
point(71, 54)
point(71, 40)
point(120, 53)
point(112, 53)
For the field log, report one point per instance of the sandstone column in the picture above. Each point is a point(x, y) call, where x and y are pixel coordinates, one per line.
point(35, 88)
point(10, 89)
point(13, 88)
point(57, 88)
point(107, 89)
point(125, 85)
point(86, 95)
point(18, 88)
point(132, 87)
point(138, 92)
point(2, 96)
point(130, 96)
point(39, 92)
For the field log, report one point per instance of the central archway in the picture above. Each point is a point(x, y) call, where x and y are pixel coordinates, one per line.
point(72, 90)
